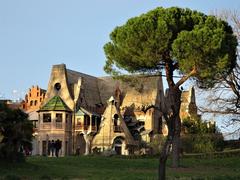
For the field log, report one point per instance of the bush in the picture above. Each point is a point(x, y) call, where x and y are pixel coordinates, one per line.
point(202, 143)
point(157, 143)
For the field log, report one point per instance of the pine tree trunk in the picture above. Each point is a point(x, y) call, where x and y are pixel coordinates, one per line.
point(177, 130)
point(162, 169)
point(171, 114)
point(163, 158)
point(173, 99)
point(176, 151)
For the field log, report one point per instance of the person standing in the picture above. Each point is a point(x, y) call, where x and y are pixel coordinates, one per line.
point(52, 148)
point(58, 146)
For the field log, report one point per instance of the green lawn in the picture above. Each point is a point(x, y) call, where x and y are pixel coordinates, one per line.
point(98, 167)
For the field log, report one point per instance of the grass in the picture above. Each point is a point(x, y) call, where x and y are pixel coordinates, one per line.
point(98, 167)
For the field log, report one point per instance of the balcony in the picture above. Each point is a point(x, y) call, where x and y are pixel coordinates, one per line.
point(46, 126)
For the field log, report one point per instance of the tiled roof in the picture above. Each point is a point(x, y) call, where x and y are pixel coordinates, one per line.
point(82, 112)
point(55, 104)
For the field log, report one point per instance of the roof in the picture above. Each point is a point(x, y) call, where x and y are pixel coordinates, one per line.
point(55, 104)
point(143, 91)
point(82, 112)
point(89, 85)
point(32, 115)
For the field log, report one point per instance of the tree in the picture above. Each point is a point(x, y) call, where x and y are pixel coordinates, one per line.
point(224, 100)
point(16, 133)
point(173, 40)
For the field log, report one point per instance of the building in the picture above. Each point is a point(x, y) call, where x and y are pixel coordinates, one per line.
point(188, 104)
point(11, 104)
point(30, 105)
point(89, 113)
point(33, 99)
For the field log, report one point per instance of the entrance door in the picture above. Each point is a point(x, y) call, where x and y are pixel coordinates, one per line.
point(118, 145)
point(118, 150)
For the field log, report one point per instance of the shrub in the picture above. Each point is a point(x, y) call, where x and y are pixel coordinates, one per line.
point(157, 143)
point(202, 143)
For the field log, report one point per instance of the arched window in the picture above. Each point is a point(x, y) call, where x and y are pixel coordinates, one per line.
point(115, 118)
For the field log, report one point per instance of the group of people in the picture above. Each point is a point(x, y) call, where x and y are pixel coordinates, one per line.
point(54, 147)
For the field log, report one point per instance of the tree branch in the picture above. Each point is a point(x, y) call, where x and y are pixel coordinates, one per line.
point(185, 78)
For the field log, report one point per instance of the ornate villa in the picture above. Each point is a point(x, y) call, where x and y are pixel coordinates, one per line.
point(88, 113)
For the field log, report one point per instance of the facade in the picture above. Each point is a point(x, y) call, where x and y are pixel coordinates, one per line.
point(94, 114)
point(89, 113)
point(30, 105)
point(33, 99)
point(188, 104)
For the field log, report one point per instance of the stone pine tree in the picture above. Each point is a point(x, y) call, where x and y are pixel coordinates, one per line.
point(171, 40)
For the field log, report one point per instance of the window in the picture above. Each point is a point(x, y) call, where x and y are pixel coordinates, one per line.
point(78, 121)
point(57, 86)
point(46, 117)
point(31, 103)
point(86, 121)
point(35, 103)
point(66, 118)
point(37, 94)
point(115, 117)
point(40, 99)
point(94, 118)
point(30, 95)
point(59, 117)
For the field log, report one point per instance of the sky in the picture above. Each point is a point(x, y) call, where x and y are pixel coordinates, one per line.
point(36, 34)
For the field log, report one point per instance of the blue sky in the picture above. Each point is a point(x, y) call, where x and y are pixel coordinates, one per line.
point(35, 34)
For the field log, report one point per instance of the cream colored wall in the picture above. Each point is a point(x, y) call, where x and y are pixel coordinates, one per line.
point(53, 133)
point(58, 75)
point(152, 95)
point(106, 133)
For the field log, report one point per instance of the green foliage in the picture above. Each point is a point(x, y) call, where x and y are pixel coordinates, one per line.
point(157, 143)
point(189, 38)
point(16, 131)
point(200, 137)
point(195, 125)
point(202, 143)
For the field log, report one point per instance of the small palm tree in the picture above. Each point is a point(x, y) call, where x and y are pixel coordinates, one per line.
point(15, 133)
